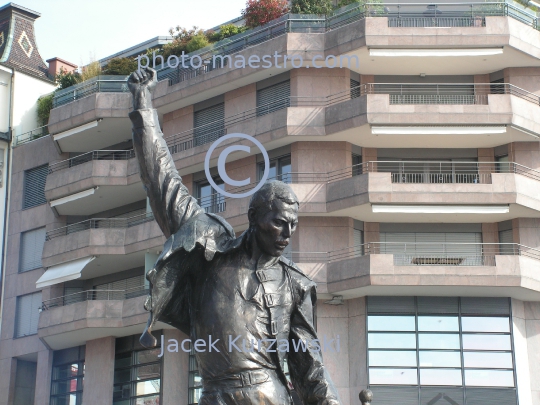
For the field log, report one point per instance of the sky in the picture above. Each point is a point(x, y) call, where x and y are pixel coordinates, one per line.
point(78, 30)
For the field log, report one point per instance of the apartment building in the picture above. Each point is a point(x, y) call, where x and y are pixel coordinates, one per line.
point(418, 177)
point(24, 77)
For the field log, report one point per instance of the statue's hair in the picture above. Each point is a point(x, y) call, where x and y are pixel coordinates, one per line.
point(263, 198)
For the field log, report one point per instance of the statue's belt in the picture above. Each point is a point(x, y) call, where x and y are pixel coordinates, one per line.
point(243, 379)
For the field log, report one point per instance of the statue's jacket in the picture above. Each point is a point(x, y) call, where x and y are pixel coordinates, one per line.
point(195, 240)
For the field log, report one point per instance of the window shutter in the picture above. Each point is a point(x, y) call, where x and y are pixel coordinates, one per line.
point(482, 396)
point(355, 88)
point(209, 124)
point(273, 98)
point(31, 249)
point(390, 305)
point(506, 237)
point(27, 316)
point(34, 186)
point(395, 395)
point(485, 306)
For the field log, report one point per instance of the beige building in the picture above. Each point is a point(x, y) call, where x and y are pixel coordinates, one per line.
point(418, 173)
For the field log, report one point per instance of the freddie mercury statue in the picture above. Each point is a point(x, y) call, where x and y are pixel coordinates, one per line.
point(207, 282)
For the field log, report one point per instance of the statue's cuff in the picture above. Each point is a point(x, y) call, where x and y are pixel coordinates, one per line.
point(144, 118)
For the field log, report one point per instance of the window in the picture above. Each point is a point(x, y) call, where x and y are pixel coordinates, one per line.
point(34, 186)
point(454, 346)
point(280, 169)
point(195, 380)
point(67, 376)
point(209, 199)
point(31, 249)
point(137, 373)
point(209, 124)
point(27, 315)
point(356, 164)
point(273, 98)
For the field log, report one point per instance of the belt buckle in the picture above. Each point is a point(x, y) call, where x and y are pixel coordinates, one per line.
point(246, 379)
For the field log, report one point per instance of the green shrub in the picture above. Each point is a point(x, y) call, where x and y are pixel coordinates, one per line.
point(91, 70)
point(66, 79)
point(44, 107)
point(197, 42)
point(120, 66)
point(226, 31)
point(312, 6)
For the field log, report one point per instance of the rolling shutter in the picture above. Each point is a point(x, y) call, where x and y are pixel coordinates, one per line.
point(31, 249)
point(413, 248)
point(209, 124)
point(390, 305)
point(273, 98)
point(506, 237)
point(395, 395)
point(485, 306)
point(27, 316)
point(34, 186)
point(120, 289)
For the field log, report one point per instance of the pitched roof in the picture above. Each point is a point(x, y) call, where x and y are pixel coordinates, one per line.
point(18, 47)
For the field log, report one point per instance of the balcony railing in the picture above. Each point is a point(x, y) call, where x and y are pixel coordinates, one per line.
point(90, 156)
point(32, 135)
point(449, 14)
point(299, 23)
point(100, 223)
point(435, 254)
point(94, 295)
point(98, 84)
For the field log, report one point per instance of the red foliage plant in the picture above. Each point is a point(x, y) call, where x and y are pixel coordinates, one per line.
point(259, 12)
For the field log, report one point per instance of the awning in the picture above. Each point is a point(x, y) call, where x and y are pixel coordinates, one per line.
point(63, 272)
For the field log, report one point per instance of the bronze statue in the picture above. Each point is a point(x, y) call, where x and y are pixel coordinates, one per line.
point(229, 290)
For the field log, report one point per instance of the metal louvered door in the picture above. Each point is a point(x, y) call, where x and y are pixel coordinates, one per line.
point(27, 316)
point(34, 186)
point(355, 88)
point(273, 98)
point(31, 249)
point(209, 124)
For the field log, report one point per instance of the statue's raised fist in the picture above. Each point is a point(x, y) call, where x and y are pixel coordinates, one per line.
point(141, 84)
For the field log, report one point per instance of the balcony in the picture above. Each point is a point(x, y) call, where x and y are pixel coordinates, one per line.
point(89, 183)
point(116, 243)
point(32, 135)
point(445, 269)
point(98, 84)
point(65, 322)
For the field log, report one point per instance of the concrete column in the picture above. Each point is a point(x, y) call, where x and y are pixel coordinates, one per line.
point(321, 157)
point(99, 371)
point(372, 235)
point(532, 325)
point(527, 231)
point(7, 380)
point(357, 348)
point(333, 322)
point(525, 153)
point(482, 90)
point(43, 378)
point(490, 234)
point(369, 155)
point(521, 354)
point(239, 100)
point(175, 371)
point(178, 121)
point(486, 155)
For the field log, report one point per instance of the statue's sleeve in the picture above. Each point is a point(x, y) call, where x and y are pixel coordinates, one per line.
point(170, 200)
point(308, 373)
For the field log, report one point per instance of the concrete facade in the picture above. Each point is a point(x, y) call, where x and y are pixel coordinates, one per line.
point(383, 225)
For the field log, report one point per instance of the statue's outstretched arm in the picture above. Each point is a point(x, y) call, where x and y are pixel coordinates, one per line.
point(170, 200)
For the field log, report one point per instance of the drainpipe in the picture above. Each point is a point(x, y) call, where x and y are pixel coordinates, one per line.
point(7, 185)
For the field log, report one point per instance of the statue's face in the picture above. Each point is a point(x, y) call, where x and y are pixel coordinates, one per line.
point(274, 229)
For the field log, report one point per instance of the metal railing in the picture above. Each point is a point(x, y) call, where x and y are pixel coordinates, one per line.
point(90, 156)
point(98, 84)
point(100, 223)
point(94, 295)
point(450, 14)
point(431, 254)
point(32, 135)
point(217, 55)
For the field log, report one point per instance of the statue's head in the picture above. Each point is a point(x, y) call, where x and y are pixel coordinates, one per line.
point(273, 216)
